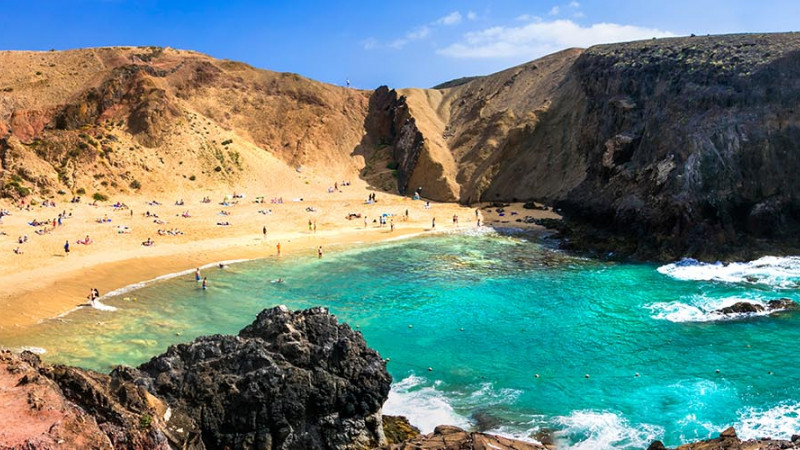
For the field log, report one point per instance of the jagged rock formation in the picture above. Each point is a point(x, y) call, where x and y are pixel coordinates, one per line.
point(290, 380)
point(778, 305)
point(728, 440)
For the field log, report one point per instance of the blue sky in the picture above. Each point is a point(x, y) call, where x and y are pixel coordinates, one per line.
point(402, 44)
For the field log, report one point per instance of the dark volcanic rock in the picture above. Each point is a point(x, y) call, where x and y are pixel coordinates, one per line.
point(729, 440)
point(290, 380)
point(690, 144)
point(750, 308)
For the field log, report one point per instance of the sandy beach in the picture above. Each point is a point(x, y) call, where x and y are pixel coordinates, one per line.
point(43, 281)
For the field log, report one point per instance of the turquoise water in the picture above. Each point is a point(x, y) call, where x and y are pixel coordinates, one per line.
point(488, 312)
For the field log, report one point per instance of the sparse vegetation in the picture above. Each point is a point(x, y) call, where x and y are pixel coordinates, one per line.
point(392, 165)
point(135, 184)
point(81, 191)
point(145, 421)
point(218, 169)
point(192, 178)
point(227, 142)
point(99, 197)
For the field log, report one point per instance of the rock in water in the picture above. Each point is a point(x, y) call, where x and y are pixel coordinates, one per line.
point(741, 308)
point(290, 380)
point(750, 308)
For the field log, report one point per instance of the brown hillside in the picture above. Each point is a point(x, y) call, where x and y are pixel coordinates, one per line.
point(117, 119)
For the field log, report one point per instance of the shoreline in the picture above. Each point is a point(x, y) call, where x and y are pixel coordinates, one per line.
point(43, 283)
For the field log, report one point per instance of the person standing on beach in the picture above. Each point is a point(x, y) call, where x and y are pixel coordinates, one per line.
point(279, 248)
point(433, 222)
point(66, 248)
point(319, 252)
point(265, 231)
point(391, 225)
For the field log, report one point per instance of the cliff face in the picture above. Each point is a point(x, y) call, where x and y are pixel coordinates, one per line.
point(690, 144)
point(660, 149)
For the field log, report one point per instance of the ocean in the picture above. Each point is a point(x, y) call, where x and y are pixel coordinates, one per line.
point(500, 332)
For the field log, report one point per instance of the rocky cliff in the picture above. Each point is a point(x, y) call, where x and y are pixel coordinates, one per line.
point(660, 148)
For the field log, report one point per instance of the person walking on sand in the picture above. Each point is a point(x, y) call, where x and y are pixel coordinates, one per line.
point(365, 221)
point(264, 231)
point(391, 225)
point(279, 248)
point(205, 283)
point(66, 248)
point(319, 252)
point(197, 274)
point(433, 222)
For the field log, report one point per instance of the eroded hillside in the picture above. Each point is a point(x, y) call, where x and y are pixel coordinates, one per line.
point(110, 119)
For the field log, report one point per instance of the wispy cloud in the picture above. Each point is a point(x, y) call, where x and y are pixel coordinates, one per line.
point(539, 38)
point(419, 33)
point(554, 11)
point(415, 35)
point(574, 4)
point(454, 18)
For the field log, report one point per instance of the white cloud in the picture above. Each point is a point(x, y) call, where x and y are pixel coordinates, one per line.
point(416, 35)
point(369, 43)
point(541, 38)
point(471, 15)
point(554, 11)
point(527, 18)
point(454, 18)
point(574, 4)
point(579, 15)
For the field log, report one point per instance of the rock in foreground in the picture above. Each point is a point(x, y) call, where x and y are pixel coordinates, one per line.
point(446, 437)
point(290, 380)
point(728, 440)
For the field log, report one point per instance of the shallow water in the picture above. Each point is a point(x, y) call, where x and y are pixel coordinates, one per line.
point(487, 313)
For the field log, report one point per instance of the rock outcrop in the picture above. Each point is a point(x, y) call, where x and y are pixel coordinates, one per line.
point(778, 305)
point(446, 437)
point(730, 441)
point(48, 407)
point(290, 380)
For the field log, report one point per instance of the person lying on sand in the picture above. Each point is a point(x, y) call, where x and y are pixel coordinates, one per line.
point(148, 243)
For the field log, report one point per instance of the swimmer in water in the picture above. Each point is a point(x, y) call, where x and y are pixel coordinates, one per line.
point(205, 283)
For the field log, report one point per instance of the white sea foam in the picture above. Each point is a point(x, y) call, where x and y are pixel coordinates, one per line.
point(700, 308)
point(778, 272)
point(32, 349)
point(592, 430)
point(423, 404)
point(168, 276)
point(97, 304)
point(778, 422)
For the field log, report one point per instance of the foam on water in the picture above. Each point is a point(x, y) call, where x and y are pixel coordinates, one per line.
point(97, 304)
point(423, 404)
point(779, 422)
point(169, 276)
point(591, 430)
point(773, 271)
point(701, 308)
